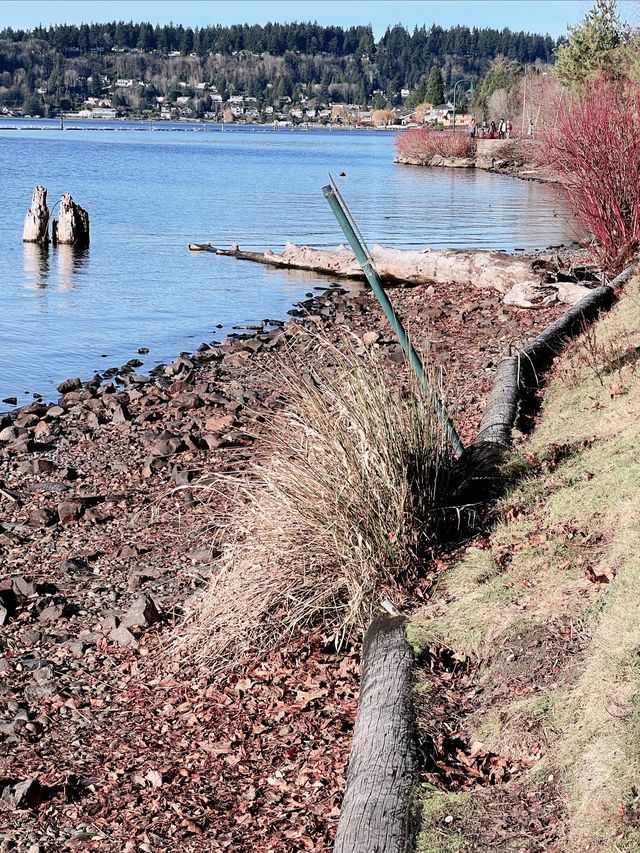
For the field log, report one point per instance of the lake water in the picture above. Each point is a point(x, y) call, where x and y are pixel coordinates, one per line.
point(150, 191)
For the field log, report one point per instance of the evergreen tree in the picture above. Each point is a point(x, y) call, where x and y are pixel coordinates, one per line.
point(591, 45)
point(434, 92)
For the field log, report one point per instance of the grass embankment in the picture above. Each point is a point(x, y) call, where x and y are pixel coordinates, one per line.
point(547, 610)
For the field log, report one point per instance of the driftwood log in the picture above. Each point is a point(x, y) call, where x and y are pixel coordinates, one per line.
point(514, 277)
point(383, 761)
point(72, 225)
point(36, 223)
point(517, 376)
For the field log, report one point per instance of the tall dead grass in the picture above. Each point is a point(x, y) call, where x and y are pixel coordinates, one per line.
point(340, 514)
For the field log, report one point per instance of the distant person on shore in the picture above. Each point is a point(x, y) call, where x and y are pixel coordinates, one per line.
point(472, 128)
point(492, 130)
point(502, 129)
point(509, 129)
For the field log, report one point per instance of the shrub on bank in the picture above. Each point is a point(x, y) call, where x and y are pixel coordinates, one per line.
point(595, 149)
point(422, 144)
point(339, 515)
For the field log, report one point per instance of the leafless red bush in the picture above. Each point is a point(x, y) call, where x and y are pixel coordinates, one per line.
point(595, 149)
point(420, 143)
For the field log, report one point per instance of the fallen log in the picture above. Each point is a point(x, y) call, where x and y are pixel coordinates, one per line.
point(515, 277)
point(383, 761)
point(517, 375)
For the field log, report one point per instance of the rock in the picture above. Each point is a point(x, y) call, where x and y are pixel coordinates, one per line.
point(10, 433)
point(23, 587)
point(219, 425)
point(42, 430)
point(36, 223)
point(142, 613)
point(43, 466)
point(72, 225)
point(40, 518)
point(124, 637)
point(69, 511)
point(569, 293)
point(120, 414)
point(187, 400)
point(167, 446)
point(11, 401)
point(94, 421)
point(181, 477)
point(34, 693)
point(179, 365)
point(531, 294)
point(69, 385)
point(24, 795)
point(51, 613)
point(370, 338)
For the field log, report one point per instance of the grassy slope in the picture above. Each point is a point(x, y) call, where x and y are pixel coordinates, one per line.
point(573, 514)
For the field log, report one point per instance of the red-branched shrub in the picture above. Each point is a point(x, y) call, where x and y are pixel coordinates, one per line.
point(595, 150)
point(421, 144)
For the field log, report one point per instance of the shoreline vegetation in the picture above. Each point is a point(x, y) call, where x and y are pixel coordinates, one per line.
point(110, 535)
point(120, 499)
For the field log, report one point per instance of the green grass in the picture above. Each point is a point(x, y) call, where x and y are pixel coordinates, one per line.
point(566, 513)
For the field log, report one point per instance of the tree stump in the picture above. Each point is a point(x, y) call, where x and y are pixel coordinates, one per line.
point(383, 760)
point(36, 223)
point(72, 225)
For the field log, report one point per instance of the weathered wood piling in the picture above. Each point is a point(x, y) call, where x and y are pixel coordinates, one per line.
point(72, 225)
point(36, 223)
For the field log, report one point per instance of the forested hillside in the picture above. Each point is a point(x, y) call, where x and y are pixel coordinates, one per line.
point(46, 70)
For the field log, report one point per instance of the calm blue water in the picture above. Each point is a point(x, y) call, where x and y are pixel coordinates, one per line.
point(150, 192)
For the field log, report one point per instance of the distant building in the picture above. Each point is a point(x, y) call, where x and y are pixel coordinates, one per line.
point(124, 84)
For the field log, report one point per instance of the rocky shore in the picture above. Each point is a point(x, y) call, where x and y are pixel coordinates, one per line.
point(514, 157)
point(108, 741)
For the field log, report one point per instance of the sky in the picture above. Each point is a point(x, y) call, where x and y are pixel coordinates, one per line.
point(535, 16)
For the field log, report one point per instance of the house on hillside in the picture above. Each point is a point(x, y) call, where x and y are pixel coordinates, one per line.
point(438, 113)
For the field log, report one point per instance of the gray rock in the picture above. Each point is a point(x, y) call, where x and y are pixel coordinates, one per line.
point(142, 613)
point(124, 637)
point(50, 613)
point(120, 414)
point(33, 693)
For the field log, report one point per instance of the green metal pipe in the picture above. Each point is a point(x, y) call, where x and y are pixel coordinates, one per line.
point(409, 350)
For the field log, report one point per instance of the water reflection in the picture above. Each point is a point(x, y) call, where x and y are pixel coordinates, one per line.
point(36, 265)
point(70, 261)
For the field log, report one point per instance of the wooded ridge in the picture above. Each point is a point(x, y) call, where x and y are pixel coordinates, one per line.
point(45, 70)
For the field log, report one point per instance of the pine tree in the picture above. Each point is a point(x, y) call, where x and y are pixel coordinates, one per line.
point(434, 92)
point(591, 45)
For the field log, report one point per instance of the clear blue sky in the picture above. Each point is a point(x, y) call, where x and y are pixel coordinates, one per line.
point(536, 16)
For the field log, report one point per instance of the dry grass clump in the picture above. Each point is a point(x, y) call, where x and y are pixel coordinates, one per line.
point(339, 515)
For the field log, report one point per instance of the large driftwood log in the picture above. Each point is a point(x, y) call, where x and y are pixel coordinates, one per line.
point(383, 760)
point(513, 276)
point(72, 225)
point(516, 376)
point(36, 223)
